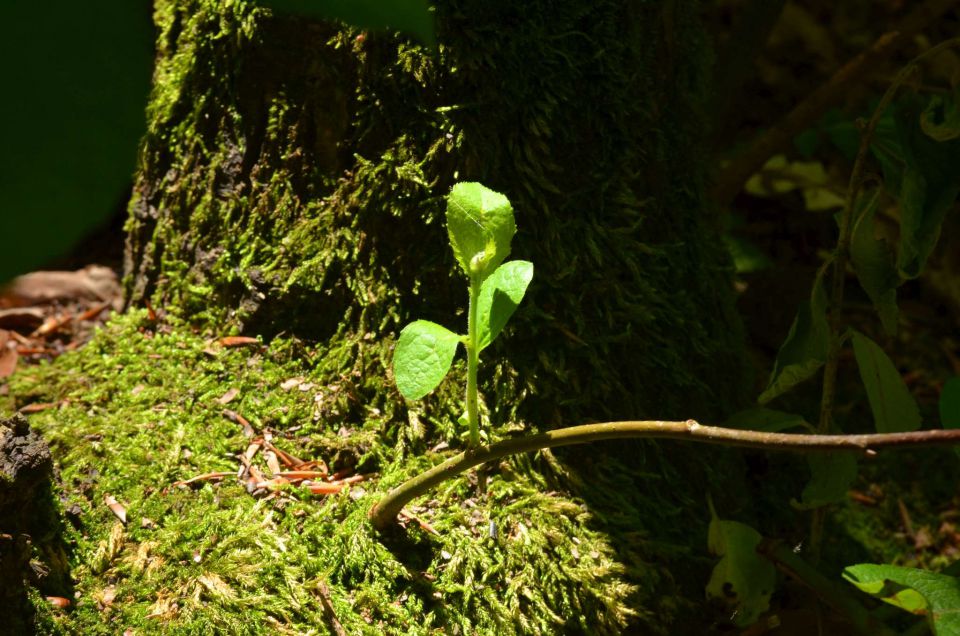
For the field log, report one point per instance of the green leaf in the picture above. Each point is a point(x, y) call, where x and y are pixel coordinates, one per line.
point(950, 403)
point(742, 579)
point(423, 356)
point(499, 296)
point(936, 596)
point(480, 224)
point(941, 118)
point(950, 406)
point(766, 420)
point(874, 262)
point(779, 176)
point(76, 76)
point(832, 474)
point(410, 16)
point(894, 409)
point(931, 182)
point(805, 349)
point(747, 257)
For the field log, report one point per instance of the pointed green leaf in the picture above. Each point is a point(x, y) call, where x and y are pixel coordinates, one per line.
point(766, 420)
point(805, 349)
point(742, 579)
point(874, 262)
point(831, 475)
point(931, 182)
point(410, 16)
point(423, 356)
point(499, 296)
point(480, 225)
point(950, 403)
point(894, 409)
point(936, 596)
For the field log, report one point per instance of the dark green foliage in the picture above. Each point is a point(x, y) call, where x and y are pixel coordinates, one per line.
point(76, 78)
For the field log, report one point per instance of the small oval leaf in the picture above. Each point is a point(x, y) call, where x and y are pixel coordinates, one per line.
point(499, 297)
point(480, 225)
point(894, 409)
point(423, 356)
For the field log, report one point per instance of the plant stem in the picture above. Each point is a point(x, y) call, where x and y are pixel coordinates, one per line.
point(473, 362)
point(841, 258)
point(386, 510)
point(829, 592)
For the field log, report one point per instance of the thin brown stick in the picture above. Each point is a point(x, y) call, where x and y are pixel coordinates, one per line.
point(385, 511)
point(778, 137)
point(324, 592)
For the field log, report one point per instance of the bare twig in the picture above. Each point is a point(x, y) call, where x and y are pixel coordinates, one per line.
point(324, 592)
point(386, 510)
point(778, 137)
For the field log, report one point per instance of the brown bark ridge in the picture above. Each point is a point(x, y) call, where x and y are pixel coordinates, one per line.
point(31, 542)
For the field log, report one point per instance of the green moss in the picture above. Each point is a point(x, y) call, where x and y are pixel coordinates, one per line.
point(291, 182)
point(140, 412)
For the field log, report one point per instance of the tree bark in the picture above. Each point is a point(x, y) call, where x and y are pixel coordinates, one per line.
point(292, 182)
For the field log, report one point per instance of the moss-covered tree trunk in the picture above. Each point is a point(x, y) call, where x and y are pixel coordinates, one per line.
point(292, 182)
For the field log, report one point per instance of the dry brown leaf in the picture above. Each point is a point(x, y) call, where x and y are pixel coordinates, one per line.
point(228, 397)
point(8, 355)
point(93, 282)
point(58, 601)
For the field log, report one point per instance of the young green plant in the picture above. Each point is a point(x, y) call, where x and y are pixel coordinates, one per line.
point(480, 226)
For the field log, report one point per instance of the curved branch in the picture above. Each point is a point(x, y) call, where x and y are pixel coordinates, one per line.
point(386, 510)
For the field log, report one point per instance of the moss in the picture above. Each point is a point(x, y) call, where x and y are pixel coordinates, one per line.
point(291, 184)
point(139, 412)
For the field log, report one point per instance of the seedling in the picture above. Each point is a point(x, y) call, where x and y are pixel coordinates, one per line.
point(480, 226)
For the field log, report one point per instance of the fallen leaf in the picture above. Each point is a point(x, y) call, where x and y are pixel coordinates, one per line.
point(107, 595)
point(228, 397)
point(58, 601)
point(36, 407)
point(8, 356)
point(92, 282)
point(22, 317)
point(286, 385)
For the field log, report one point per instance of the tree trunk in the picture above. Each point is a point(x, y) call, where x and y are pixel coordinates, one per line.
point(292, 182)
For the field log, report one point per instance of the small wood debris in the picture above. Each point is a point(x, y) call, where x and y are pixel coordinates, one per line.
point(238, 341)
point(116, 507)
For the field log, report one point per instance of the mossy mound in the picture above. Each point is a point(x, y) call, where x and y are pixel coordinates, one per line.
point(139, 411)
